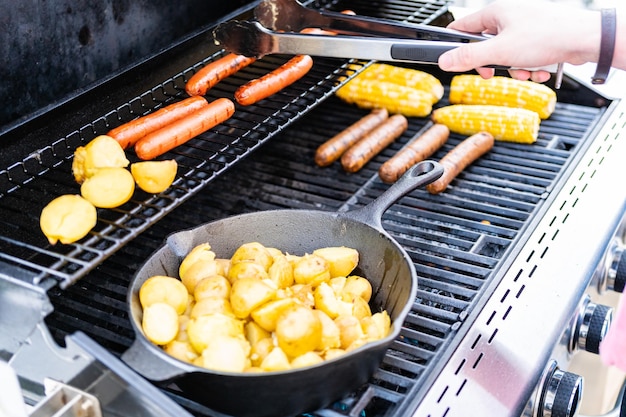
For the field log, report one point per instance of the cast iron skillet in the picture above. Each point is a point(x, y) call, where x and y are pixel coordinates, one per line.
point(382, 260)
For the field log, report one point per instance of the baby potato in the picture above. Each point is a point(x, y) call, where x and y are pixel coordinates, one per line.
point(101, 152)
point(253, 252)
point(326, 300)
point(337, 284)
point(350, 330)
point(227, 354)
point(281, 272)
point(108, 187)
point(202, 330)
point(312, 270)
point(212, 305)
point(331, 336)
point(307, 359)
point(383, 321)
point(267, 314)
point(181, 350)
point(67, 219)
point(160, 323)
point(212, 286)
point(246, 269)
point(356, 286)
point(154, 176)
point(333, 353)
point(275, 252)
point(164, 289)
point(276, 360)
point(254, 332)
point(360, 308)
point(196, 272)
point(246, 294)
point(303, 294)
point(183, 321)
point(223, 265)
point(200, 252)
point(260, 350)
point(298, 330)
point(342, 260)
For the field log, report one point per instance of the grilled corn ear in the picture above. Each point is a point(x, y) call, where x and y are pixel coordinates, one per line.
point(504, 123)
point(503, 91)
point(396, 98)
point(408, 77)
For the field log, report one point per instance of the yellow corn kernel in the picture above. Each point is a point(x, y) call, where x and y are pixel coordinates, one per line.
point(504, 123)
point(408, 77)
point(395, 98)
point(503, 91)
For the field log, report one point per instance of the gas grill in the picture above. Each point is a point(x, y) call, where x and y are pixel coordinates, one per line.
point(509, 259)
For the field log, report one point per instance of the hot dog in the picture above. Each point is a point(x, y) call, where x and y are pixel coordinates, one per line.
point(182, 130)
point(129, 133)
point(274, 81)
point(214, 72)
point(332, 149)
point(415, 151)
point(460, 157)
point(374, 142)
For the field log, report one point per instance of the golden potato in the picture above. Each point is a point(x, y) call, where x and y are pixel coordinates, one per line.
point(356, 344)
point(108, 187)
point(181, 350)
point(203, 329)
point(212, 305)
point(333, 353)
point(260, 350)
point(227, 354)
point(276, 360)
point(281, 272)
point(331, 336)
point(154, 176)
point(246, 269)
point(383, 321)
point(200, 252)
point(275, 252)
point(350, 330)
point(356, 286)
point(307, 359)
point(326, 300)
point(160, 323)
point(254, 332)
point(298, 330)
point(101, 152)
point(196, 272)
point(311, 270)
point(303, 294)
point(212, 286)
point(360, 308)
point(253, 252)
point(337, 284)
point(267, 314)
point(223, 265)
point(342, 260)
point(164, 289)
point(183, 321)
point(246, 294)
point(67, 219)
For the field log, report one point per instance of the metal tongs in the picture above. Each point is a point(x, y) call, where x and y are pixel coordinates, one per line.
point(278, 24)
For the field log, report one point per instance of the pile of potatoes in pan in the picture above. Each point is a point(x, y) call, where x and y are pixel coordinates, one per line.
point(262, 310)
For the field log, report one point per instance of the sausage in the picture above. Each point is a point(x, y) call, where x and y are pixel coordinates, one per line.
point(415, 151)
point(274, 81)
point(333, 148)
point(129, 133)
point(214, 72)
point(182, 130)
point(374, 142)
point(460, 157)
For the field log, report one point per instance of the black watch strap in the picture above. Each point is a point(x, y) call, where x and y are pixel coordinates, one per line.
point(607, 46)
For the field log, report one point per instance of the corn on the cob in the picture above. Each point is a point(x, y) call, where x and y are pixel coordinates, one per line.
point(503, 91)
point(504, 123)
point(408, 77)
point(396, 98)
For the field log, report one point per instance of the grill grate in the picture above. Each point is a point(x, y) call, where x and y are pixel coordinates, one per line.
point(457, 239)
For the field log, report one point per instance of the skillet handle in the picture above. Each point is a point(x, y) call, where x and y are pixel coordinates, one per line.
point(420, 174)
point(154, 368)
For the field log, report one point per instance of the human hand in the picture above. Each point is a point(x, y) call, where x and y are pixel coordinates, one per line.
point(526, 35)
